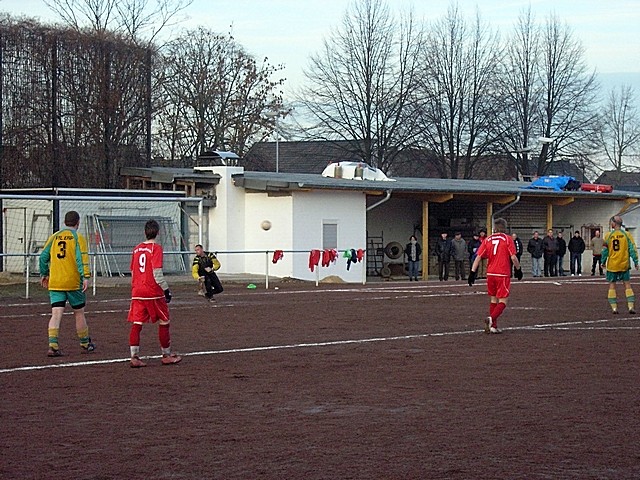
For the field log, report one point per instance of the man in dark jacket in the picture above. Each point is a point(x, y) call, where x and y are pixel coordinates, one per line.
point(482, 270)
point(562, 250)
point(413, 251)
point(576, 249)
point(550, 246)
point(535, 248)
point(444, 250)
point(472, 247)
point(519, 248)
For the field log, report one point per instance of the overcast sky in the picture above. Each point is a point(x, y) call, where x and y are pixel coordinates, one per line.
point(288, 31)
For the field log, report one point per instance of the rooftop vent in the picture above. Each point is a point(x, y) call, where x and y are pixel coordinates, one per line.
point(354, 171)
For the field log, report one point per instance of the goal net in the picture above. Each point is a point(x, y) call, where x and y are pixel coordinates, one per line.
point(112, 229)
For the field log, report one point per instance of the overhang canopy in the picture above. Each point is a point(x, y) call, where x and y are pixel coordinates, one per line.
point(437, 190)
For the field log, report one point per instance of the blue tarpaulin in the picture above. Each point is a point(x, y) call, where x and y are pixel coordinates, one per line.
point(551, 182)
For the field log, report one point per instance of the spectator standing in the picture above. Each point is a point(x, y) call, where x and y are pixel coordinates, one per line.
point(519, 247)
point(444, 250)
point(576, 249)
point(482, 269)
point(550, 246)
point(597, 243)
point(413, 251)
point(562, 251)
point(618, 248)
point(472, 248)
point(535, 248)
point(459, 252)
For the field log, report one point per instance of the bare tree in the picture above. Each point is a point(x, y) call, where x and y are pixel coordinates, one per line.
point(620, 133)
point(521, 92)
point(140, 20)
point(568, 112)
point(457, 96)
point(361, 84)
point(214, 95)
point(78, 104)
point(549, 94)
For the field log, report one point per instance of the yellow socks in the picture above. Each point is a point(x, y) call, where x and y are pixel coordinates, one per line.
point(612, 298)
point(83, 335)
point(53, 338)
point(631, 298)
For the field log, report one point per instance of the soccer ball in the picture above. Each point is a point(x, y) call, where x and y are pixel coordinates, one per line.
point(265, 225)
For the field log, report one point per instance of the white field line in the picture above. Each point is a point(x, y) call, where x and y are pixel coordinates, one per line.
point(371, 288)
point(586, 325)
point(234, 304)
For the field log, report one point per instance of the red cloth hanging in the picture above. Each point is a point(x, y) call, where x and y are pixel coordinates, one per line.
point(277, 255)
point(314, 259)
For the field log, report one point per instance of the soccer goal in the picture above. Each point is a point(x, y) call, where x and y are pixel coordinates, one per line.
point(113, 226)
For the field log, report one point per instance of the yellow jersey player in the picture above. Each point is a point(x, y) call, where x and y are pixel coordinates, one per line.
point(64, 271)
point(617, 249)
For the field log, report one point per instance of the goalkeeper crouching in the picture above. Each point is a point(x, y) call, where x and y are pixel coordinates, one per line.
point(203, 269)
point(500, 252)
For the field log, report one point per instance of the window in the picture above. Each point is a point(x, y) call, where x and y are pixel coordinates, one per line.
point(329, 236)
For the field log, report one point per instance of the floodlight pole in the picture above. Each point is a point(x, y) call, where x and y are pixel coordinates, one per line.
point(277, 147)
point(275, 115)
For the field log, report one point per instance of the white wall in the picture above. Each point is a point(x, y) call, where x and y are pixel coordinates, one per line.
point(279, 211)
point(296, 228)
point(227, 220)
point(589, 212)
point(395, 220)
point(310, 209)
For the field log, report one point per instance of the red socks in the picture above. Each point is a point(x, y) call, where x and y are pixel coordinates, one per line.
point(134, 335)
point(495, 310)
point(164, 336)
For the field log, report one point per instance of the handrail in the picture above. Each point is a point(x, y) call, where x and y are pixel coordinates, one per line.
point(94, 255)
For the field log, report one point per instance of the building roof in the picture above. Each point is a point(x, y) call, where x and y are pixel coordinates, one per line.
point(299, 156)
point(170, 175)
point(625, 180)
point(436, 188)
point(430, 189)
point(314, 156)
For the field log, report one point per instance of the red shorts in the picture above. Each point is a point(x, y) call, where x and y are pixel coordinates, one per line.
point(498, 286)
point(148, 311)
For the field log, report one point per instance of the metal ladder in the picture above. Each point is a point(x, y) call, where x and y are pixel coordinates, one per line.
point(375, 254)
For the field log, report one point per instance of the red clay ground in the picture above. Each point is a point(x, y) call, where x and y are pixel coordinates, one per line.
point(391, 380)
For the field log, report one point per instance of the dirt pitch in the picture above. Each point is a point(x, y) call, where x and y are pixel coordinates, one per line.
point(392, 380)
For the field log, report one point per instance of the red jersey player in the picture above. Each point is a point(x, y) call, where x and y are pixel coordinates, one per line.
point(150, 296)
point(500, 251)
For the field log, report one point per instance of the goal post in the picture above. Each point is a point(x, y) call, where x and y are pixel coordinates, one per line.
point(112, 225)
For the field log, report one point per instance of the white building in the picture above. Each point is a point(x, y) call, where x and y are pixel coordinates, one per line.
point(313, 212)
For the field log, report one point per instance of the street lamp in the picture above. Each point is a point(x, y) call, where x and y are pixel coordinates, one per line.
point(275, 115)
point(525, 150)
